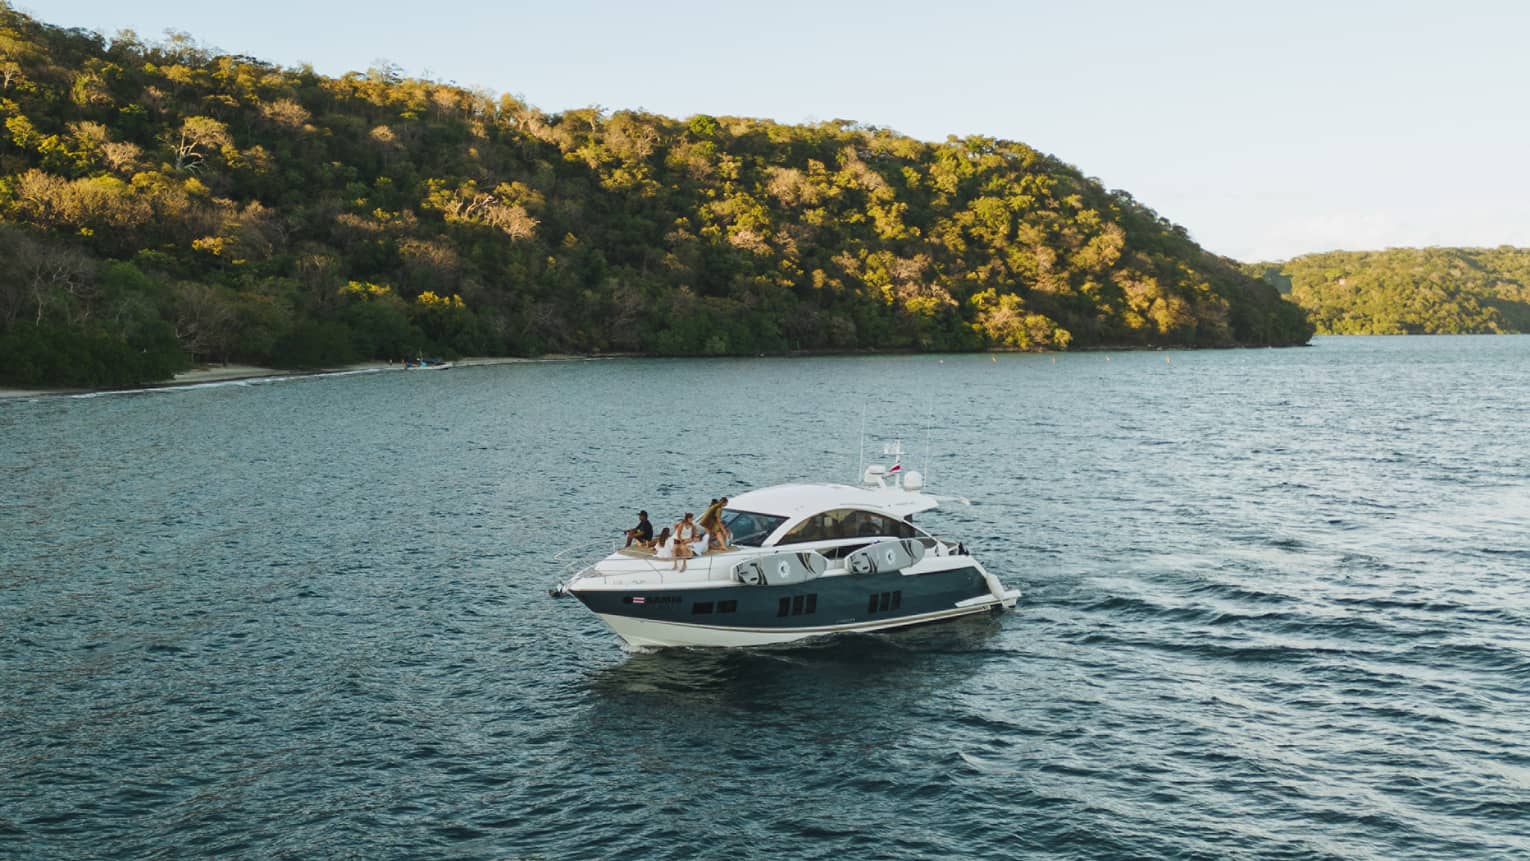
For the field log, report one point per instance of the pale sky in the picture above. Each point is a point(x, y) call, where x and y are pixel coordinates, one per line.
point(1299, 126)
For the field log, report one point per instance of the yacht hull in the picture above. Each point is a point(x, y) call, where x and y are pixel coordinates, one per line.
point(721, 614)
point(648, 634)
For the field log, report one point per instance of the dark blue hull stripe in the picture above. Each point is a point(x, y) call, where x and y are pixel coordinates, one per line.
point(875, 625)
point(823, 605)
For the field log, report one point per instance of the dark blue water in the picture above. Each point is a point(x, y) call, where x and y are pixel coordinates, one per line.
point(1277, 605)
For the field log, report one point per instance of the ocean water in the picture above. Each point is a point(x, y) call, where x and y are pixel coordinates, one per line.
point(1277, 605)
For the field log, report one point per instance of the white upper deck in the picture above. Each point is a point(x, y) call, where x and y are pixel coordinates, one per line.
point(801, 500)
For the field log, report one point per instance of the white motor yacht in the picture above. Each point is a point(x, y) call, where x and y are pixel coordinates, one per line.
point(805, 560)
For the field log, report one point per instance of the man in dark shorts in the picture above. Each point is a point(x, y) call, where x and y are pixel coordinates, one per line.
point(641, 533)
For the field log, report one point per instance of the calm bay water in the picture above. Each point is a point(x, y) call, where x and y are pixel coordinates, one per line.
point(1277, 604)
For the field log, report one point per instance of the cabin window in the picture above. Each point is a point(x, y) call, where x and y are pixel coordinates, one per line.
point(727, 606)
point(847, 523)
point(750, 528)
point(881, 602)
point(797, 605)
point(870, 524)
point(819, 527)
point(701, 608)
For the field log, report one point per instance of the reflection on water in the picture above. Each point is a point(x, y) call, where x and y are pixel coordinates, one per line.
point(845, 666)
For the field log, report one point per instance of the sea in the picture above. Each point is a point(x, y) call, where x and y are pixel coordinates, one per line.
point(1276, 605)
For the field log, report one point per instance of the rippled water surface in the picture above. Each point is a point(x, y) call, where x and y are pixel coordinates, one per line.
point(1277, 604)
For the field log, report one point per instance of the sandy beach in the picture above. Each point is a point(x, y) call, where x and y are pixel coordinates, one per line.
point(230, 373)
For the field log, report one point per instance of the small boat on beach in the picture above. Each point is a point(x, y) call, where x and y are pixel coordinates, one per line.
point(806, 560)
point(426, 364)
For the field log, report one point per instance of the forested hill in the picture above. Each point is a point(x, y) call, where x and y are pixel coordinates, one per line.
point(162, 203)
point(1409, 290)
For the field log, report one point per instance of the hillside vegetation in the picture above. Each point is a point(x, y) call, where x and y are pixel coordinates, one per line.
point(162, 204)
point(1409, 290)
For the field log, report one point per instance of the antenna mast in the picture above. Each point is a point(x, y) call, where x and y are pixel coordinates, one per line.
point(860, 448)
point(929, 421)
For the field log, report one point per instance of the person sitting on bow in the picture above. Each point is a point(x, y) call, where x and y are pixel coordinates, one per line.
point(642, 533)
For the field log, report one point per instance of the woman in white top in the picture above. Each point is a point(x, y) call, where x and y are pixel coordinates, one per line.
point(686, 533)
point(664, 545)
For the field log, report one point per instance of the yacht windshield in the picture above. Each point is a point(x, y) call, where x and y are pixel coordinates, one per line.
point(750, 528)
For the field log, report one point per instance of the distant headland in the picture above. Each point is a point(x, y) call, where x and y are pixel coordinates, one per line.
point(1408, 291)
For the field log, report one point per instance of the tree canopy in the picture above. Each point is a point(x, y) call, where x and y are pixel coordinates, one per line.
point(1406, 291)
point(165, 200)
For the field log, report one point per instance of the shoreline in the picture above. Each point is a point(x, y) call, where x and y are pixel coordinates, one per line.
point(237, 373)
